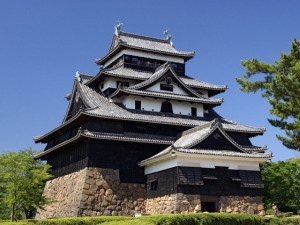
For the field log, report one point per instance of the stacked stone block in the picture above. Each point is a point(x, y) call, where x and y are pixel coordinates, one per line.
point(92, 192)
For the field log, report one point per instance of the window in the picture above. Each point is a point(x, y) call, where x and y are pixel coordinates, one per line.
point(166, 107)
point(194, 111)
point(250, 179)
point(190, 176)
point(153, 185)
point(135, 60)
point(166, 87)
point(138, 105)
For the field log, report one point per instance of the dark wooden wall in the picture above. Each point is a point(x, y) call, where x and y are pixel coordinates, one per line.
point(123, 156)
point(216, 182)
point(217, 141)
point(69, 160)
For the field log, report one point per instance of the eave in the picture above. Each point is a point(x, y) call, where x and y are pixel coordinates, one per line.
point(105, 136)
point(82, 115)
point(172, 153)
point(121, 46)
point(212, 102)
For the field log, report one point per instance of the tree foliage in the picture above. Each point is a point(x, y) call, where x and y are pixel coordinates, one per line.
point(22, 182)
point(282, 184)
point(281, 87)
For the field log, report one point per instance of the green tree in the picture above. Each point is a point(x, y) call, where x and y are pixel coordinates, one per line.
point(281, 87)
point(22, 183)
point(282, 184)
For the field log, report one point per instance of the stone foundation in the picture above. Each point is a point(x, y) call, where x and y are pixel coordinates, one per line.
point(175, 203)
point(181, 203)
point(96, 191)
point(239, 204)
point(91, 192)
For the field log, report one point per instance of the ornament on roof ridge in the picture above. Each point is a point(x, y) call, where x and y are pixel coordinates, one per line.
point(118, 28)
point(169, 36)
point(77, 76)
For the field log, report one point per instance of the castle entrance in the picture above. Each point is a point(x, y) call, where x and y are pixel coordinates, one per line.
point(209, 203)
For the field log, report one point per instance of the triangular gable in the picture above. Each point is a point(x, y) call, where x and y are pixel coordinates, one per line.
point(218, 141)
point(209, 136)
point(163, 75)
point(77, 101)
point(75, 105)
point(114, 43)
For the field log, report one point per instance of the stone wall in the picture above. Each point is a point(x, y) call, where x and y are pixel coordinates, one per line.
point(65, 192)
point(239, 204)
point(91, 192)
point(96, 191)
point(174, 203)
point(181, 203)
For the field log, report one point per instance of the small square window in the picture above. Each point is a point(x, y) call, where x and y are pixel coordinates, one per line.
point(153, 185)
point(138, 105)
point(194, 111)
point(166, 87)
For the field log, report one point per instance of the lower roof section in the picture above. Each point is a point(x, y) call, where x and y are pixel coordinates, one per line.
point(126, 137)
point(204, 158)
point(99, 106)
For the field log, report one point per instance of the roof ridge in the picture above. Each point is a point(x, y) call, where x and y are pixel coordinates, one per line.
point(189, 131)
point(160, 71)
point(143, 37)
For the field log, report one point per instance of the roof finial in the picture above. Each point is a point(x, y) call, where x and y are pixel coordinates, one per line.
point(77, 76)
point(118, 28)
point(166, 32)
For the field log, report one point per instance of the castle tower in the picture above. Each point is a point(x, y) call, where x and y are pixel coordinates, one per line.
point(143, 137)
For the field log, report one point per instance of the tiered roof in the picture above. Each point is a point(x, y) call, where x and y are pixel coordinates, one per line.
point(100, 106)
point(142, 43)
point(139, 89)
point(129, 73)
point(97, 105)
point(188, 140)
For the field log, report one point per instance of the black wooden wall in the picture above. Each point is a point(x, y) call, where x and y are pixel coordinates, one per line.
point(123, 156)
point(204, 181)
point(69, 160)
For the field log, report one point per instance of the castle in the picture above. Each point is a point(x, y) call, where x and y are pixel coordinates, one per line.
point(143, 137)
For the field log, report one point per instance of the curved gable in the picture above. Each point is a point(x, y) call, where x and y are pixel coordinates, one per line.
point(167, 76)
point(217, 141)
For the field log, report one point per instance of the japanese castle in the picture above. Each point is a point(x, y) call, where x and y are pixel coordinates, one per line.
point(143, 137)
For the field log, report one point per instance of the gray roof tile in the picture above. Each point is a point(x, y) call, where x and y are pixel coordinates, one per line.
point(163, 154)
point(143, 43)
point(168, 95)
point(129, 73)
point(150, 43)
point(132, 137)
point(99, 106)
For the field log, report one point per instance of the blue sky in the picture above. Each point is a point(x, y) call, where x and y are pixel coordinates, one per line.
point(44, 43)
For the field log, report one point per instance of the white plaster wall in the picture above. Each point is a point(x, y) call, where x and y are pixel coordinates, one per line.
point(151, 104)
point(232, 163)
point(112, 83)
point(145, 55)
point(176, 89)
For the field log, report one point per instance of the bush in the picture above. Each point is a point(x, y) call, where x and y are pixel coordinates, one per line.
point(287, 214)
point(290, 221)
point(193, 219)
point(269, 211)
point(16, 223)
point(169, 219)
point(81, 220)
